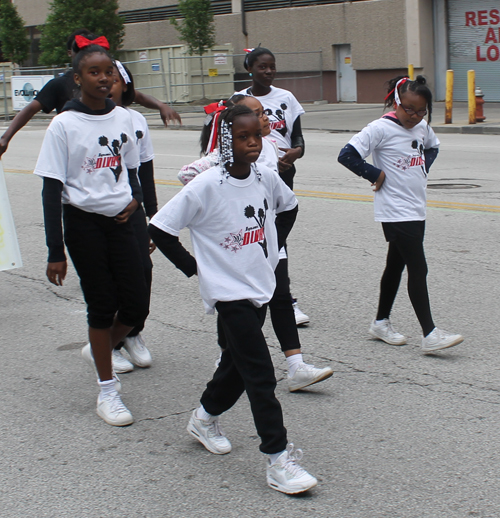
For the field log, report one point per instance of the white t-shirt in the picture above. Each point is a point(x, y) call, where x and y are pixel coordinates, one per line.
point(268, 157)
point(233, 232)
point(142, 136)
point(282, 109)
point(399, 152)
point(90, 155)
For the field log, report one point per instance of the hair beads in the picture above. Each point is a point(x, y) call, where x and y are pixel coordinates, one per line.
point(226, 143)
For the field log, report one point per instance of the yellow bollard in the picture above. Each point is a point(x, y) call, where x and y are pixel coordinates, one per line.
point(449, 97)
point(411, 72)
point(471, 88)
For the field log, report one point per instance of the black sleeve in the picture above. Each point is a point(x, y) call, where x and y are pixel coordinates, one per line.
point(147, 179)
point(284, 223)
point(350, 158)
point(172, 249)
point(135, 185)
point(430, 155)
point(52, 212)
point(296, 137)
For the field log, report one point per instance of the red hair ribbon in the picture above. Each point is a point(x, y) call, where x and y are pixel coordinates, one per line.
point(214, 109)
point(394, 90)
point(82, 42)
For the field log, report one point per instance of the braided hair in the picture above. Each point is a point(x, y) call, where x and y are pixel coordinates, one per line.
point(419, 87)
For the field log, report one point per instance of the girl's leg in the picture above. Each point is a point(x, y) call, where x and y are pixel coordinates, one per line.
point(413, 253)
point(247, 365)
point(390, 281)
point(102, 342)
point(281, 310)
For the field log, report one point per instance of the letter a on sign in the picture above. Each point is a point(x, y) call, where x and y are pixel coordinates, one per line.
point(10, 255)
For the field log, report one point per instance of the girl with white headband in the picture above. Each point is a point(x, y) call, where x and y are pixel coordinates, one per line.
point(123, 94)
point(404, 147)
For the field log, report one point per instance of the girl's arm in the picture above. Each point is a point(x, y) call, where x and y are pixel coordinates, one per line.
point(297, 149)
point(190, 171)
point(52, 211)
point(173, 250)
point(147, 179)
point(167, 114)
point(430, 155)
point(350, 158)
point(284, 224)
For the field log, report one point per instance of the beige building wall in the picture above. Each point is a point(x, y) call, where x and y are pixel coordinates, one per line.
point(375, 29)
point(33, 12)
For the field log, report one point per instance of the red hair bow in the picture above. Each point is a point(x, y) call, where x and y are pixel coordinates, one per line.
point(82, 42)
point(214, 109)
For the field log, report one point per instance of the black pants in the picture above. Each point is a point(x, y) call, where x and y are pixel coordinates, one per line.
point(107, 259)
point(281, 310)
point(246, 365)
point(406, 248)
point(140, 226)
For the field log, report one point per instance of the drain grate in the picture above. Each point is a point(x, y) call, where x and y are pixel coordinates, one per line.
point(452, 186)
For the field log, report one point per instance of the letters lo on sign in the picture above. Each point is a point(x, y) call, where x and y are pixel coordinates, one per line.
point(10, 255)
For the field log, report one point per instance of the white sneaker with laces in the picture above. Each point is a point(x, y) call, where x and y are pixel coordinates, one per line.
point(209, 434)
point(385, 332)
point(113, 411)
point(306, 375)
point(301, 319)
point(138, 351)
point(89, 358)
point(287, 476)
point(439, 339)
point(120, 363)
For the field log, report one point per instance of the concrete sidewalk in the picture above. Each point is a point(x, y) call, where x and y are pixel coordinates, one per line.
point(352, 117)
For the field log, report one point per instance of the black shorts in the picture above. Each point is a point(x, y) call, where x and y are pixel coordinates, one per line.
point(404, 231)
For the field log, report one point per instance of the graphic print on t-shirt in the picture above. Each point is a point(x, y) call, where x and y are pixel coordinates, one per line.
point(113, 160)
point(139, 134)
point(277, 119)
point(414, 160)
point(252, 234)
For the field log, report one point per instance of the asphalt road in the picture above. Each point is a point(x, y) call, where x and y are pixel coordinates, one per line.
point(393, 433)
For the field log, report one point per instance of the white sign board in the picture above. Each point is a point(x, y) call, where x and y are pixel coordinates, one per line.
point(143, 55)
point(220, 59)
point(10, 255)
point(26, 88)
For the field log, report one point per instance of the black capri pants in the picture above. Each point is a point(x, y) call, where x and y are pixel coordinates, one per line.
point(107, 259)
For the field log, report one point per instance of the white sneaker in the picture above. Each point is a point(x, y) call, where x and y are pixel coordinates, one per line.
point(287, 476)
point(440, 339)
point(120, 363)
point(209, 434)
point(306, 375)
point(301, 319)
point(385, 332)
point(89, 358)
point(113, 411)
point(138, 351)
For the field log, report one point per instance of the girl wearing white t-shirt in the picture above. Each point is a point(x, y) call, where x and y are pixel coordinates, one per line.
point(404, 147)
point(89, 161)
point(123, 94)
point(284, 113)
point(300, 374)
point(238, 216)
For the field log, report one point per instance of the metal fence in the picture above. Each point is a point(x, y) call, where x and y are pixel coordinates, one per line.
point(300, 72)
point(184, 79)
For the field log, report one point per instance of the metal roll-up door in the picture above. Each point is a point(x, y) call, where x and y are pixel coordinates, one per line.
point(474, 44)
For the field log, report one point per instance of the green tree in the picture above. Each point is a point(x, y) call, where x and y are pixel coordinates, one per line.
point(196, 29)
point(13, 37)
point(65, 16)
